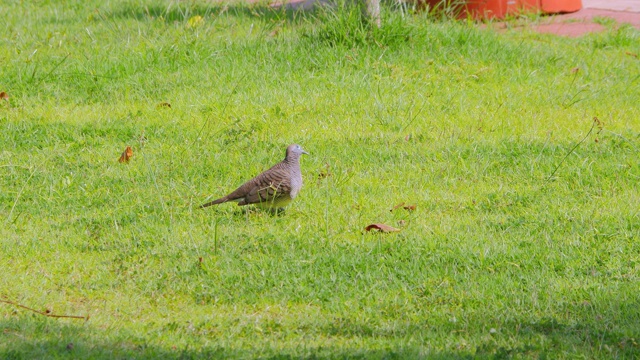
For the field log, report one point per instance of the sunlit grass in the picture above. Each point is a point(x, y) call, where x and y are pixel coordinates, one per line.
point(524, 241)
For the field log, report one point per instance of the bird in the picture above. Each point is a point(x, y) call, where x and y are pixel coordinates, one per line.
point(272, 189)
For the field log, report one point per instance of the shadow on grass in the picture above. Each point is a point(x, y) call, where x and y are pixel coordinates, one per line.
point(183, 12)
point(33, 336)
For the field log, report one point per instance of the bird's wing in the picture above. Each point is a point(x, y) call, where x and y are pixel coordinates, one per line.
point(267, 187)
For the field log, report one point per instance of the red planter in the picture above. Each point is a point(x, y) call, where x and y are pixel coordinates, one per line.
point(551, 6)
point(560, 6)
point(488, 9)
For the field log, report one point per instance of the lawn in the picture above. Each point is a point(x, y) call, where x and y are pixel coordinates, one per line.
point(520, 152)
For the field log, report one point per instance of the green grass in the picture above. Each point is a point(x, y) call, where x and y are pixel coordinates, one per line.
point(500, 259)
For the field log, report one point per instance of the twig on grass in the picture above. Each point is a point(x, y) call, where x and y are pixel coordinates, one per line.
point(597, 122)
point(15, 202)
point(44, 313)
point(43, 78)
point(406, 125)
point(224, 108)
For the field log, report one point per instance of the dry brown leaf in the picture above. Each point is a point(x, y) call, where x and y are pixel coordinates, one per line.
point(164, 104)
point(408, 207)
point(126, 155)
point(632, 54)
point(575, 70)
point(4, 95)
point(381, 228)
point(397, 206)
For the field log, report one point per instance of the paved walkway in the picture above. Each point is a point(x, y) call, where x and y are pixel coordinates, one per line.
point(584, 21)
point(617, 5)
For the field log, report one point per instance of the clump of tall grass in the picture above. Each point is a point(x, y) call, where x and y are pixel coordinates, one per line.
point(347, 24)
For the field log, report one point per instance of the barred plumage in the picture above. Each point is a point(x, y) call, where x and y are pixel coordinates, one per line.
point(273, 188)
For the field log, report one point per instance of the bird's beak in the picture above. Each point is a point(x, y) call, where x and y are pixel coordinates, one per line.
point(304, 152)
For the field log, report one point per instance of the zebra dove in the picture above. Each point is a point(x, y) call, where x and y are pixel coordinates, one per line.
point(272, 189)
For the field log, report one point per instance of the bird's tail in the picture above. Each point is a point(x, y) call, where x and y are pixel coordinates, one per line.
point(214, 202)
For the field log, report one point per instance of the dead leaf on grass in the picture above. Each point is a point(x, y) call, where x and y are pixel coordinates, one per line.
point(381, 227)
point(632, 54)
point(126, 155)
point(408, 207)
point(4, 95)
point(164, 104)
point(599, 125)
point(397, 206)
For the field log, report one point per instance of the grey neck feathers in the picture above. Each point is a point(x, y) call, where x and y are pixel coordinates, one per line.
point(292, 158)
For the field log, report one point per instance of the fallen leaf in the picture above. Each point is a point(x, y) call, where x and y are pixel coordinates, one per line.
point(397, 206)
point(381, 228)
point(164, 104)
point(407, 138)
point(126, 155)
point(632, 54)
point(4, 95)
point(408, 207)
point(575, 70)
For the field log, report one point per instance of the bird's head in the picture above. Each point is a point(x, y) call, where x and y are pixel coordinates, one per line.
point(294, 151)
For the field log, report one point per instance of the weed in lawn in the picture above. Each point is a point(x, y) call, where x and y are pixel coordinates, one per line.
point(347, 25)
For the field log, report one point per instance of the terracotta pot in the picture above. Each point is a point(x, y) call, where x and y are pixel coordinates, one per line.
point(473, 8)
point(560, 6)
point(489, 9)
point(529, 5)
